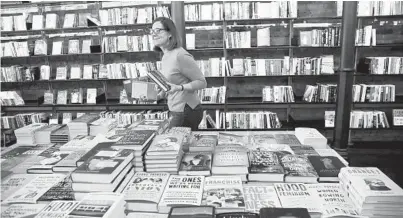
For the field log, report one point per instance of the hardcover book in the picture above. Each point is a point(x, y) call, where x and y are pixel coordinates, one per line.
point(58, 209)
point(230, 138)
point(230, 159)
point(284, 212)
point(102, 204)
point(62, 191)
point(47, 159)
point(224, 193)
point(166, 144)
point(260, 196)
point(334, 200)
point(262, 161)
point(134, 139)
point(181, 191)
point(304, 150)
point(103, 167)
point(289, 139)
point(69, 163)
point(33, 190)
point(262, 139)
point(327, 167)
point(94, 151)
point(159, 79)
point(298, 169)
point(203, 142)
point(144, 191)
point(146, 215)
point(298, 195)
point(196, 163)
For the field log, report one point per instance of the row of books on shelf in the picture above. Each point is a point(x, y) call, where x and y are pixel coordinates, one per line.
point(385, 65)
point(125, 43)
point(379, 8)
point(364, 119)
point(278, 94)
point(20, 120)
point(107, 17)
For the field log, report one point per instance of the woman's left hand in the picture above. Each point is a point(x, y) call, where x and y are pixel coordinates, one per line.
point(174, 88)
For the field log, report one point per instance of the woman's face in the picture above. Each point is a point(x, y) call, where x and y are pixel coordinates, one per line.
point(160, 35)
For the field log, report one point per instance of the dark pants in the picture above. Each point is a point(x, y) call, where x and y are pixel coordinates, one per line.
point(188, 118)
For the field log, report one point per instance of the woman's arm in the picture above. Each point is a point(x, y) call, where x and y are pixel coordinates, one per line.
point(189, 68)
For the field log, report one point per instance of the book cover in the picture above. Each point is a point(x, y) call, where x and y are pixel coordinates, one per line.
point(47, 159)
point(230, 155)
point(58, 209)
point(262, 161)
point(230, 138)
point(203, 142)
point(289, 139)
point(146, 187)
point(62, 191)
point(102, 204)
point(297, 165)
point(297, 195)
point(69, 163)
point(22, 210)
point(196, 161)
point(260, 196)
point(304, 150)
point(280, 149)
point(181, 191)
point(334, 200)
point(93, 151)
point(134, 138)
point(262, 139)
point(371, 184)
point(284, 212)
point(326, 166)
point(14, 183)
point(166, 144)
point(224, 193)
point(104, 162)
point(34, 189)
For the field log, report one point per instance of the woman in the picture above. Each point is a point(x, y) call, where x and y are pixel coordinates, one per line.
point(182, 73)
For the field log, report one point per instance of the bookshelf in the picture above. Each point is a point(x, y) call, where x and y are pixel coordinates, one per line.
point(243, 92)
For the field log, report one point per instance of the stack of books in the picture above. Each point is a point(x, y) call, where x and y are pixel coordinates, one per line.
point(373, 193)
point(144, 191)
point(159, 126)
point(26, 134)
point(231, 160)
point(43, 135)
point(138, 141)
point(60, 136)
point(165, 153)
point(104, 169)
point(80, 126)
point(203, 142)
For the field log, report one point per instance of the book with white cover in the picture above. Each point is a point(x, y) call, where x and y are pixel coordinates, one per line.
point(181, 191)
point(144, 191)
point(101, 204)
point(225, 193)
point(297, 195)
point(372, 185)
point(57, 209)
point(334, 200)
point(14, 182)
point(32, 191)
point(259, 196)
point(22, 210)
point(310, 136)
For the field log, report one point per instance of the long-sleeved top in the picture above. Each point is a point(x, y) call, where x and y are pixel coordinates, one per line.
point(179, 67)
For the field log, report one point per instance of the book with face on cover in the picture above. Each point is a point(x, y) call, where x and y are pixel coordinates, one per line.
point(166, 144)
point(196, 163)
point(144, 191)
point(327, 167)
point(224, 193)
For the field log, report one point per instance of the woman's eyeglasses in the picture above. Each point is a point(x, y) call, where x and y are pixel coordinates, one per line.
point(156, 31)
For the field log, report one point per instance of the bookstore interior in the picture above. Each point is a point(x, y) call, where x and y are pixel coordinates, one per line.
point(302, 114)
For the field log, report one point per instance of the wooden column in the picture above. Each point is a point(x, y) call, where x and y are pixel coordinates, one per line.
point(346, 76)
point(178, 16)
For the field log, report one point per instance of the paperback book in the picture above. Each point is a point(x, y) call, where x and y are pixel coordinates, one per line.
point(22, 210)
point(196, 163)
point(260, 196)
